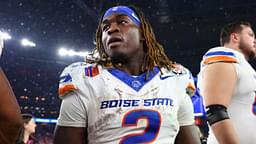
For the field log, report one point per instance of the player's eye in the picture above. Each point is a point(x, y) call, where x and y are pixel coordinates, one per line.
point(251, 34)
point(105, 27)
point(122, 21)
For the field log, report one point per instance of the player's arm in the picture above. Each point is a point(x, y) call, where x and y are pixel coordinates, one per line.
point(187, 135)
point(72, 120)
point(71, 126)
point(9, 110)
point(70, 135)
point(219, 81)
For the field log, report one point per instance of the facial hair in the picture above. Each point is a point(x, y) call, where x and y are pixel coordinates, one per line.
point(249, 53)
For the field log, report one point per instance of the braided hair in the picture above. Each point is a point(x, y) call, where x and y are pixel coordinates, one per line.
point(154, 51)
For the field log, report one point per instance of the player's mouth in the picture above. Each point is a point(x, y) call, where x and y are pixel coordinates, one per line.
point(114, 41)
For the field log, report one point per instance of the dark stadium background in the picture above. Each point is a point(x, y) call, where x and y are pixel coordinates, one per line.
point(186, 28)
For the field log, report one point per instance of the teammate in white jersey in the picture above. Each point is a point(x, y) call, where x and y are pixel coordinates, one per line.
point(130, 94)
point(228, 84)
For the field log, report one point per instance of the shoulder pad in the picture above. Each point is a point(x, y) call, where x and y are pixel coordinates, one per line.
point(66, 83)
point(76, 65)
point(179, 69)
point(73, 74)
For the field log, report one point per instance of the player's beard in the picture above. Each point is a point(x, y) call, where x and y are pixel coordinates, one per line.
point(247, 50)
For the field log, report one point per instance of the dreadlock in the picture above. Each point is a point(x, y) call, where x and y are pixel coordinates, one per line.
point(155, 54)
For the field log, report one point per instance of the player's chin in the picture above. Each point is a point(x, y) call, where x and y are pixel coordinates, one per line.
point(115, 45)
point(118, 57)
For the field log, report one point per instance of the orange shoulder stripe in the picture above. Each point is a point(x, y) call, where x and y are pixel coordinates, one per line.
point(191, 86)
point(66, 88)
point(219, 59)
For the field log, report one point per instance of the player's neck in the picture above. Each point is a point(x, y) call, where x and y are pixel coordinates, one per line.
point(134, 65)
point(131, 69)
point(232, 46)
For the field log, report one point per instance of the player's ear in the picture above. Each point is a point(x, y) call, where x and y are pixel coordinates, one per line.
point(234, 37)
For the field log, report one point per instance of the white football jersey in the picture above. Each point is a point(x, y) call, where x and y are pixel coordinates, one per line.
point(117, 108)
point(241, 106)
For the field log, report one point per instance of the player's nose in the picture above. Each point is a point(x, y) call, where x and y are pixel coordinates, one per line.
point(113, 28)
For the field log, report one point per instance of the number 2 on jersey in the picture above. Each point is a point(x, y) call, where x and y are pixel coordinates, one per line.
point(151, 130)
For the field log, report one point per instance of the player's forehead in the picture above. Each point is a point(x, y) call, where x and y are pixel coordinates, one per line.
point(247, 29)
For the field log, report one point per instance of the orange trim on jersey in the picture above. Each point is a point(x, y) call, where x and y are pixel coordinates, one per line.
point(191, 86)
point(219, 59)
point(190, 90)
point(66, 88)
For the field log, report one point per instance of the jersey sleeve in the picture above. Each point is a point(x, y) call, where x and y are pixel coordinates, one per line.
point(187, 87)
point(73, 110)
point(219, 54)
point(216, 55)
point(67, 82)
point(185, 112)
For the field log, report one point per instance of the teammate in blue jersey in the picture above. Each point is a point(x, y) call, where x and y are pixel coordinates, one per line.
point(130, 93)
point(228, 84)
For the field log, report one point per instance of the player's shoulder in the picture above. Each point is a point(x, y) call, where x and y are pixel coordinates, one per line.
point(187, 78)
point(177, 70)
point(74, 74)
point(184, 77)
point(75, 67)
point(82, 68)
point(220, 54)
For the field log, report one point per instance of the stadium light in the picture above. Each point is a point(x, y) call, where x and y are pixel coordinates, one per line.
point(64, 52)
point(26, 42)
point(71, 53)
point(5, 36)
point(82, 54)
